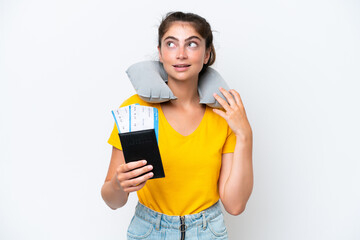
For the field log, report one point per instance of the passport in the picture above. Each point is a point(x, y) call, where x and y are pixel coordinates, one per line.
point(138, 133)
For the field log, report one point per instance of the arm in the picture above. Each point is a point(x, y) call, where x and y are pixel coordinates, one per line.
point(111, 192)
point(236, 177)
point(122, 179)
point(236, 174)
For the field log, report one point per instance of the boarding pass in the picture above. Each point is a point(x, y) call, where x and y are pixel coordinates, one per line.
point(136, 117)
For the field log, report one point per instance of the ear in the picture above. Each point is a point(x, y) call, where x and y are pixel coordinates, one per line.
point(207, 56)
point(160, 57)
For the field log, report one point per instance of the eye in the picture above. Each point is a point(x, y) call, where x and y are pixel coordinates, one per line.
point(193, 44)
point(170, 44)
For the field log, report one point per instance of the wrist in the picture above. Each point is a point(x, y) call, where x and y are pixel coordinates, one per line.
point(115, 184)
point(244, 138)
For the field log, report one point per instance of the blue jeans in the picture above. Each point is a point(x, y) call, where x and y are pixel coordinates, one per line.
point(151, 225)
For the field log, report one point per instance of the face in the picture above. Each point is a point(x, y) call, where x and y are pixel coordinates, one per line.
point(183, 52)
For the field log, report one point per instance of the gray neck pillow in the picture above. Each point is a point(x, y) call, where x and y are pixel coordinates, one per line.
point(149, 80)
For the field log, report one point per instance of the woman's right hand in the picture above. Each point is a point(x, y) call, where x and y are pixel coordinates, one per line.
point(127, 176)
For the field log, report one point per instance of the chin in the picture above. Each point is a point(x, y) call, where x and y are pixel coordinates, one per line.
point(182, 76)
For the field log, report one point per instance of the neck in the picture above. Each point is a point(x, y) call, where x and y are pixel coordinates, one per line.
point(185, 91)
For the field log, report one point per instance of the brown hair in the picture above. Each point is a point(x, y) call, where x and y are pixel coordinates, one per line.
point(199, 23)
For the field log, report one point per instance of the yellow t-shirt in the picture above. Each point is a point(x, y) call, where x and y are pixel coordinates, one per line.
point(191, 163)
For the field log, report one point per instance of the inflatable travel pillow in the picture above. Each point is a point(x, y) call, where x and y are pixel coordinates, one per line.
point(149, 80)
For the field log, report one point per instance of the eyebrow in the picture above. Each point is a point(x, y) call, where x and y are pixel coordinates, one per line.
point(188, 39)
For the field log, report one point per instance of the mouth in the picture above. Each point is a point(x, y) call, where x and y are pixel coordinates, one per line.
point(181, 67)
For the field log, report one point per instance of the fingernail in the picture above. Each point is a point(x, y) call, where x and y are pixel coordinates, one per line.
point(144, 161)
point(150, 167)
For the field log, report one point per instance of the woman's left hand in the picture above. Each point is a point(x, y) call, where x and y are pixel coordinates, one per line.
point(234, 114)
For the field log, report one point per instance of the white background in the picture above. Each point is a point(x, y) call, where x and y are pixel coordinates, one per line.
point(294, 63)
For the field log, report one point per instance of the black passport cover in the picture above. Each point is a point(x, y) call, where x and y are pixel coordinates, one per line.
point(140, 145)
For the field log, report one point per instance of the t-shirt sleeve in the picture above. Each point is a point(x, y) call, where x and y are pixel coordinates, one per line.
point(114, 139)
point(229, 145)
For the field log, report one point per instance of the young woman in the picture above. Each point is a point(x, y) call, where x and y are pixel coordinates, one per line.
point(206, 153)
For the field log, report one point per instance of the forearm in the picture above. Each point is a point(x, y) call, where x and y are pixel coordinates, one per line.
point(239, 184)
point(113, 195)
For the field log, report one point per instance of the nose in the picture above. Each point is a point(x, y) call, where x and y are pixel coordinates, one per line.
point(181, 54)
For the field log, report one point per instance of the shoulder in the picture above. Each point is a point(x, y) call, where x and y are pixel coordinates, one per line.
point(215, 117)
point(218, 121)
point(135, 99)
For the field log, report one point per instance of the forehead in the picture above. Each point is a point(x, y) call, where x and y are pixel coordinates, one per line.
point(180, 30)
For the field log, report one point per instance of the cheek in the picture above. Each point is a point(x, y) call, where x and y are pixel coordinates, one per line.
point(197, 54)
point(167, 55)
point(198, 57)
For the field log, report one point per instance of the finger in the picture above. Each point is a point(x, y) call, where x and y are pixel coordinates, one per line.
point(136, 172)
point(124, 176)
point(237, 97)
point(219, 112)
point(131, 165)
point(222, 102)
point(228, 96)
point(136, 181)
point(136, 188)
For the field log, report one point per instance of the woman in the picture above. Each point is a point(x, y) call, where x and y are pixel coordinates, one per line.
point(206, 153)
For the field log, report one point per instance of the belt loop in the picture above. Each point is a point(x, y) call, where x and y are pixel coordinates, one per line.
point(204, 220)
point(158, 219)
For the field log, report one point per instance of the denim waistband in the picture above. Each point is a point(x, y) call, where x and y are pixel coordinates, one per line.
point(166, 221)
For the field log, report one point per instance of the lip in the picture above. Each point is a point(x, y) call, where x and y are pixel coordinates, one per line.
point(181, 67)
